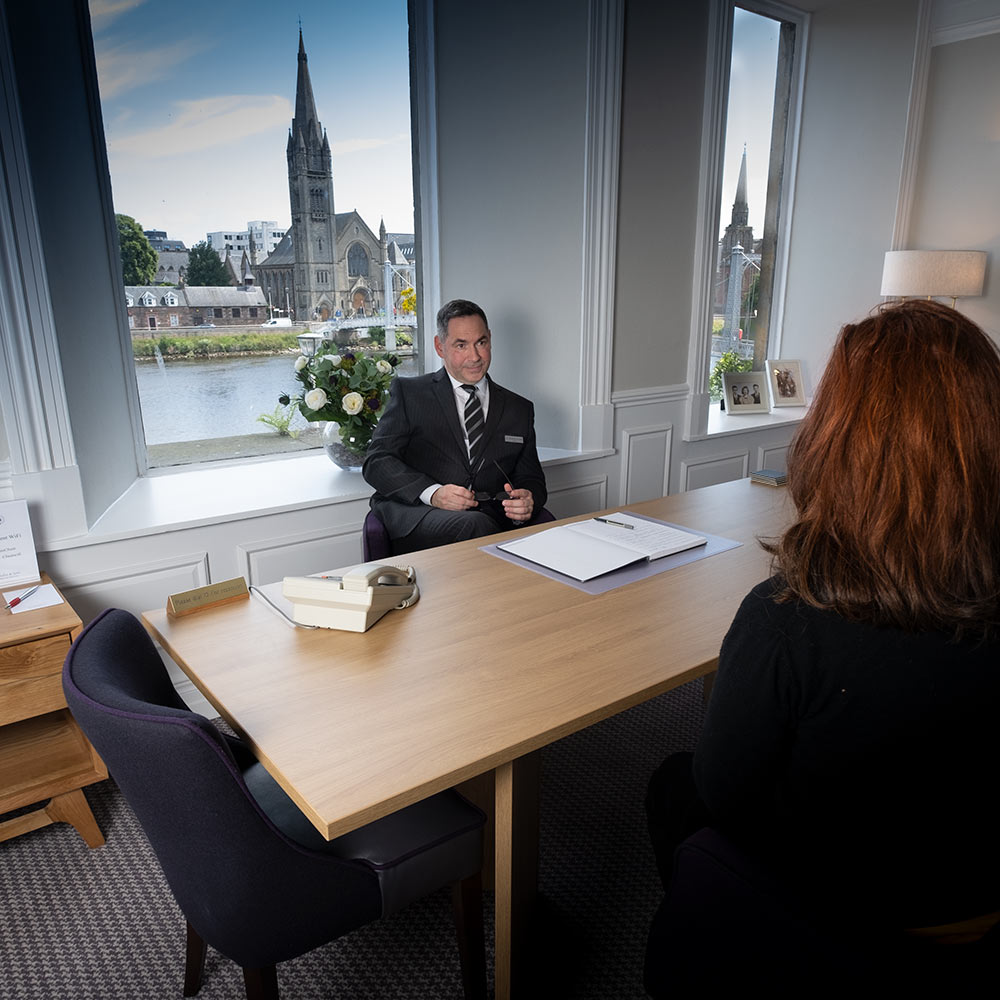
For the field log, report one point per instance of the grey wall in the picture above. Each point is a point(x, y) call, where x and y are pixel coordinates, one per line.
point(511, 84)
point(853, 126)
point(658, 190)
point(957, 199)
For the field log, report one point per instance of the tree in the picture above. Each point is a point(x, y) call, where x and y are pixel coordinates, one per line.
point(138, 257)
point(204, 266)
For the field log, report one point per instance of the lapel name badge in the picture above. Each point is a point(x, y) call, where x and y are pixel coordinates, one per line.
point(513, 439)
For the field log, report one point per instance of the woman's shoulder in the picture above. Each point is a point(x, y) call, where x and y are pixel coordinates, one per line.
point(769, 609)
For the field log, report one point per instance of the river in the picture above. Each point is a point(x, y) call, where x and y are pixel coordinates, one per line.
point(200, 399)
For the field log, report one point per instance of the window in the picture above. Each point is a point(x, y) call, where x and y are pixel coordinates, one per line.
point(172, 155)
point(174, 319)
point(148, 299)
point(756, 157)
point(357, 261)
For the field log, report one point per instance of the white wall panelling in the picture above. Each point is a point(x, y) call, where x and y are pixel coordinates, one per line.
point(645, 463)
point(134, 587)
point(301, 554)
point(581, 496)
point(775, 457)
point(707, 471)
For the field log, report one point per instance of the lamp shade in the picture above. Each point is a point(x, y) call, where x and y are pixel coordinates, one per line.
point(934, 272)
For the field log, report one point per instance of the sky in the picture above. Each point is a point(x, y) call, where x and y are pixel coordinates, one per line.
point(198, 97)
point(751, 101)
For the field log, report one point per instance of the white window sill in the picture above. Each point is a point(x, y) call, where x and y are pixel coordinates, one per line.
point(721, 423)
point(172, 500)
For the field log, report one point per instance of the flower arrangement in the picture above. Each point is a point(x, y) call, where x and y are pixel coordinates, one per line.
point(347, 389)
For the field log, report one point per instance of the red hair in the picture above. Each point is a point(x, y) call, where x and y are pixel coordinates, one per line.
point(895, 475)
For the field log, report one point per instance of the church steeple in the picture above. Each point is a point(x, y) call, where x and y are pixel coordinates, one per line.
point(305, 124)
point(741, 211)
point(310, 189)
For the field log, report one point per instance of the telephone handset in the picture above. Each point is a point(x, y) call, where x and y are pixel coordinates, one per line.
point(352, 599)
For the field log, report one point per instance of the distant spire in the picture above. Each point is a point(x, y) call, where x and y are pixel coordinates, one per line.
point(741, 210)
point(306, 120)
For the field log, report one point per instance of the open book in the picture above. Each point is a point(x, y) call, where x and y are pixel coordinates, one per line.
point(586, 549)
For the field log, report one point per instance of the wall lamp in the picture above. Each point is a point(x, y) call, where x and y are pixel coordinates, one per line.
point(954, 273)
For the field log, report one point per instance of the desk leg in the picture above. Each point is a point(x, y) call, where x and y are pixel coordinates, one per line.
point(516, 866)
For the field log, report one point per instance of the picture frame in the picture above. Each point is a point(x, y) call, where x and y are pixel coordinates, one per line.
point(745, 392)
point(785, 383)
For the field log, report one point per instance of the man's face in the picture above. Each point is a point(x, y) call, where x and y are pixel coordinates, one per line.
point(466, 349)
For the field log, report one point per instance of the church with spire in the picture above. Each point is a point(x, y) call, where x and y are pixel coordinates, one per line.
point(738, 232)
point(328, 264)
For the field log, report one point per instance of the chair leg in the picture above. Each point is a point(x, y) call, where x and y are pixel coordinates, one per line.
point(194, 962)
point(261, 984)
point(467, 903)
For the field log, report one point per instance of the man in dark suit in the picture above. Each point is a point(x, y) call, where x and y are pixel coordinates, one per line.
point(451, 444)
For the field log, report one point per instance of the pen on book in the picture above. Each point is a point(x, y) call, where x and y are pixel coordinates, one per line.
point(22, 597)
point(617, 524)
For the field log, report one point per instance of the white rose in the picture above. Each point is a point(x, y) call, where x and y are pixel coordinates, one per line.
point(300, 362)
point(316, 399)
point(352, 403)
point(334, 359)
point(383, 366)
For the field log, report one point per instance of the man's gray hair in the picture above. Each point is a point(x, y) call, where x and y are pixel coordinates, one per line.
point(455, 309)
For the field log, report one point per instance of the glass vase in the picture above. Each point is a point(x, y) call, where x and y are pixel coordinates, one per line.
point(347, 458)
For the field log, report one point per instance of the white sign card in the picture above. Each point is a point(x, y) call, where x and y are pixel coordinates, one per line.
point(18, 562)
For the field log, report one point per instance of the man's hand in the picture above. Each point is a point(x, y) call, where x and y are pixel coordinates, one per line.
point(451, 497)
point(521, 504)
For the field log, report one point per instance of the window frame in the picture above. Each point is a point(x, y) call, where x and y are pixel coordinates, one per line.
point(714, 124)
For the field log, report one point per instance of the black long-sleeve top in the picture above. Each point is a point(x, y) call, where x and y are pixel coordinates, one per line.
point(865, 760)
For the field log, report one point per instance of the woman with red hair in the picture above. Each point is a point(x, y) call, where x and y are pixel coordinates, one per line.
point(852, 741)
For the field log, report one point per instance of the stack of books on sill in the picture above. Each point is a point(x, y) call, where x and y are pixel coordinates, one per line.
point(769, 477)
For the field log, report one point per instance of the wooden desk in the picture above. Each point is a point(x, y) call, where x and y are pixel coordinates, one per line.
point(492, 664)
point(43, 753)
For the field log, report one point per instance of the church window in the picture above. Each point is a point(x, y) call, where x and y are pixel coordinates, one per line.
point(357, 261)
point(755, 154)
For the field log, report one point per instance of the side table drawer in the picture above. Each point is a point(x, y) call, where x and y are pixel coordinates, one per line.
point(31, 678)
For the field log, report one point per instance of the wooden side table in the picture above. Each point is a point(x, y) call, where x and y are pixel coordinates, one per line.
point(43, 752)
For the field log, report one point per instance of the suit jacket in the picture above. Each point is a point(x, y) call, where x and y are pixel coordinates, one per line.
point(419, 441)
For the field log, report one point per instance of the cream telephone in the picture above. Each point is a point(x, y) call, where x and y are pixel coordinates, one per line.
point(352, 599)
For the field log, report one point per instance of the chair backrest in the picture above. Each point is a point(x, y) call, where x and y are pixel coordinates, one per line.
point(247, 889)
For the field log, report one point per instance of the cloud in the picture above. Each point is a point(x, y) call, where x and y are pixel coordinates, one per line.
point(112, 8)
point(205, 124)
point(347, 146)
point(124, 67)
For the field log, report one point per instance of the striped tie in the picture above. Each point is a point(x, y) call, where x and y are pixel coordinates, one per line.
point(474, 424)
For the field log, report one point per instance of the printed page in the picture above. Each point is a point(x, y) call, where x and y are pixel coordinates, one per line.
point(652, 539)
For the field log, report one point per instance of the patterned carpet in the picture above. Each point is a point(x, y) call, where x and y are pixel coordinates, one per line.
point(77, 924)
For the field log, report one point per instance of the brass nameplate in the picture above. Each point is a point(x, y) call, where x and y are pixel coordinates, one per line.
point(189, 601)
